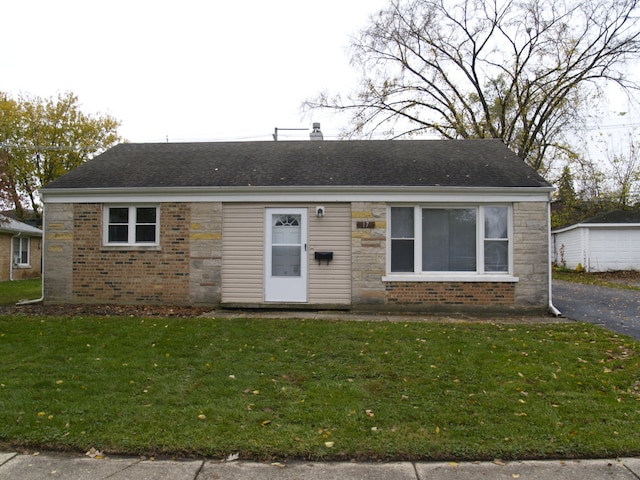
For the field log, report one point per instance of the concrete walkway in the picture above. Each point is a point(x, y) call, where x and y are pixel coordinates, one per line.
point(73, 467)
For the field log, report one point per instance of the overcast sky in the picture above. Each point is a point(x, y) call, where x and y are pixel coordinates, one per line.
point(188, 70)
point(192, 70)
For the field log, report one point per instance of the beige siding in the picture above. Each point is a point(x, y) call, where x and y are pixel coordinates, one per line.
point(243, 253)
point(330, 284)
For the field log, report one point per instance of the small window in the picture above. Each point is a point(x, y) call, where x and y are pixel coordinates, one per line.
point(131, 225)
point(21, 251)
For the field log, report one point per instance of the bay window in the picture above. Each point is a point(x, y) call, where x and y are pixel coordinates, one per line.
point(450, 239)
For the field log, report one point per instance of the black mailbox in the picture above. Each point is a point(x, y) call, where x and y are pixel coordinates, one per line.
point(323, 257)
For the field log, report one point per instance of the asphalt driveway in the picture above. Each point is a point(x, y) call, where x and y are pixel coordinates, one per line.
point(613, 308)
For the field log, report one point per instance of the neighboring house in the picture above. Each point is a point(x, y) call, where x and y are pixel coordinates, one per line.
point(386, 225)
point(20, 250)
point(606, 242)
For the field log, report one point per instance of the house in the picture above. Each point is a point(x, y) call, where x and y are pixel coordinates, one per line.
point(607, 242)
point(20, 250)
point(377, 225)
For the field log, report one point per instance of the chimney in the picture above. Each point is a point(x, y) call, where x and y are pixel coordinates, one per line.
point(316, 134)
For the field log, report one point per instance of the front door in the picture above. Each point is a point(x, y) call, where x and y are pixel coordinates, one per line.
point(286, 255)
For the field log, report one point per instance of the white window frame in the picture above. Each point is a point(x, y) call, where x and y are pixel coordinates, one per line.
point(131, 227)
point(18, 255)
point(428, 276)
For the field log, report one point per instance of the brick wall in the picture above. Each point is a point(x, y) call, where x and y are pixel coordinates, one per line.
point(138, 275)
point(481, 294)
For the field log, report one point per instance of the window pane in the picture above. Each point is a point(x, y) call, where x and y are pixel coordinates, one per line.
point(146, 215)
point(462, 238)
point(495, 222)
point(118, 233)
point(449, 240)
point(118, 215)
point(145, 233)
point(286, 230)
point(402, 255)
point(496, 256)
point(402, 222)
point(285, 261)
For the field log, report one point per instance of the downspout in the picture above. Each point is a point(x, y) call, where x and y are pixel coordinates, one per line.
point(552, 309)
point(38, 300)
point(17, 235)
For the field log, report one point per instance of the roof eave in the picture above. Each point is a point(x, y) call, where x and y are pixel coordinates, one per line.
point(282, 190)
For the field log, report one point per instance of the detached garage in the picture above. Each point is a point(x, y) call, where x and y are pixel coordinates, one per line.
point(606, 242)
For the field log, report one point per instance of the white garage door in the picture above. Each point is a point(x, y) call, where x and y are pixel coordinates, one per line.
point(614, 249)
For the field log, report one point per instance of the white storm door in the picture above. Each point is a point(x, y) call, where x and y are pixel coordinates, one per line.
point(286, 255)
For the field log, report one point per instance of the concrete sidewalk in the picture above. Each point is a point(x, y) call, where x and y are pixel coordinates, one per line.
point(75, 467)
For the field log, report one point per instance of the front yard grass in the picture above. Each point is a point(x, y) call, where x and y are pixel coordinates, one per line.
point(278, 389)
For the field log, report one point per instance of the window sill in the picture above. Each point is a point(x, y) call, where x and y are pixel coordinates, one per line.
point(451, 278)
point(22, 266)
point(136, 248)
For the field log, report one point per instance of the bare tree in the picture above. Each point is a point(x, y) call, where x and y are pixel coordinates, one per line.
point(518, 70)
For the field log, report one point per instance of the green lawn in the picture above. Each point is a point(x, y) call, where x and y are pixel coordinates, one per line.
point(12, 292)
point(318, 389)
point(629, 280)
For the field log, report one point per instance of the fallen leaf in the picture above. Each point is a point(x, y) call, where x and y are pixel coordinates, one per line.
point(499, 462)
point(515, 475)
point(370, 413)
point(264, 423)
point(329, 444)
point(202, 417)
point(232, 457)
point(93, 453)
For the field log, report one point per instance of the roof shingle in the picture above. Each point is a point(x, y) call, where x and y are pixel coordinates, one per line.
point(453, 163)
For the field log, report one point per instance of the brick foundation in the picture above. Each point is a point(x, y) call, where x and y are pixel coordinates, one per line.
point(450, 293)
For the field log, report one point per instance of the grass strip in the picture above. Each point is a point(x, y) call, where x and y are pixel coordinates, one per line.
point(317, 390)
point(624, 280)
point(13, 292)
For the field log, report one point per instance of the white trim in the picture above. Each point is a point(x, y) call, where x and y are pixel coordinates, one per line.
point(596, 225)
point(450, 278)
point(298, 194)
point(19, 264)
point(294, 289)
point(479, 275)
point(131, 225)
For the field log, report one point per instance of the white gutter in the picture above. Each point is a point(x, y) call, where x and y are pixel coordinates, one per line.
point(552, 309)
point(42, 249)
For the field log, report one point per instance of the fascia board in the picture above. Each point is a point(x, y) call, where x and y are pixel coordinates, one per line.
point(297, 194)
point(598, 226)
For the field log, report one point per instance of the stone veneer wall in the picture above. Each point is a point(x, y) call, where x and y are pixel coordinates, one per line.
point(368, 253)
point(58, 253)
point(205, 238)
point(531, 262)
